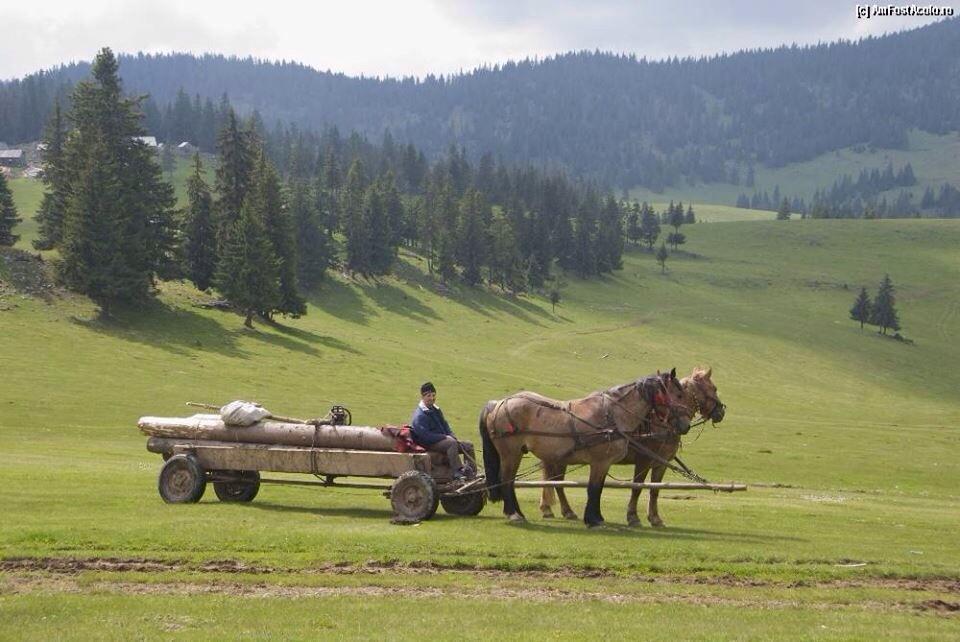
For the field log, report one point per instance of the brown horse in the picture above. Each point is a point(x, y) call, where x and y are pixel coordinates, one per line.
point(590, 431)
point(700, 395)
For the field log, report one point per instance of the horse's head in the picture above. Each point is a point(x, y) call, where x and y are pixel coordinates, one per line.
point(701, 394)
point(666, 396)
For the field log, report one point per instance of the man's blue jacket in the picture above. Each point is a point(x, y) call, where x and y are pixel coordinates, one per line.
point(428, 425)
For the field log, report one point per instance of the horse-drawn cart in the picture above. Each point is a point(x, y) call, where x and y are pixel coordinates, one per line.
point(200, 449)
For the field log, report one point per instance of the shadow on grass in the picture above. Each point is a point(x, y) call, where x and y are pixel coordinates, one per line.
point(392, 298)
point(331, 511)
point(341, 300)
point(311, 337)
point(177, 330)
point(615, 530)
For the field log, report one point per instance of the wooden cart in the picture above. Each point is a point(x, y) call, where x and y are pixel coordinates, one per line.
point(419, 483)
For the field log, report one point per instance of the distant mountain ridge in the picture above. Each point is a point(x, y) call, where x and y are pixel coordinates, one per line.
point(623, 120)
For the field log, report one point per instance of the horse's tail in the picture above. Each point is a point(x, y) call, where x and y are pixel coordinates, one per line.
point(491, 458)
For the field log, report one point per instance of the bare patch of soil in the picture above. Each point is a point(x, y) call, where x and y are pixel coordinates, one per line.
point(26, 274)
point(72, 566)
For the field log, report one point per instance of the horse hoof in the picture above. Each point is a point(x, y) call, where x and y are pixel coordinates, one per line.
point(547, 514)
point(634, 522)
point(516, 518)
point(657, 523)
point(570, 515)
point(599, 524)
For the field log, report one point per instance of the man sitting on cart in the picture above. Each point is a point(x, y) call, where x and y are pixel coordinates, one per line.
point(431, 430)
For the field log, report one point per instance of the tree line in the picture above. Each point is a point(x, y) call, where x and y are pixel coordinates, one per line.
point(287, 205)
point(658, 122)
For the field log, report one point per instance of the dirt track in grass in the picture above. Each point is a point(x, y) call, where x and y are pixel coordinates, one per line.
point(65, 567)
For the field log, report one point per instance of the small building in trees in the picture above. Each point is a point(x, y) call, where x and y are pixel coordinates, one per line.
point(12, 158)
point(186, 148)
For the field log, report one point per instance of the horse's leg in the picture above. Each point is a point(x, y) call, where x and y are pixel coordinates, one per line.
point(510, 463)
point(565, 510)
point(640, 469)
point(591, 514)
point(547, 495)
point(652, 514)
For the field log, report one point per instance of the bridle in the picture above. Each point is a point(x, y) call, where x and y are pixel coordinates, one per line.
point(718, 406)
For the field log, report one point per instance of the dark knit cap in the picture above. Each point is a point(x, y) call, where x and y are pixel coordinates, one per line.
point(427, 387)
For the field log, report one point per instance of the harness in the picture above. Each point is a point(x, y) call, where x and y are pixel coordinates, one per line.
point(611, 431)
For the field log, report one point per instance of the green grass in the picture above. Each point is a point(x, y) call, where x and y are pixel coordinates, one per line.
point(859, 432)
point(934, 159)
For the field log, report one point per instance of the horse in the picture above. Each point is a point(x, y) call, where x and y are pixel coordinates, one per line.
point(699, 394)
point(591, 430)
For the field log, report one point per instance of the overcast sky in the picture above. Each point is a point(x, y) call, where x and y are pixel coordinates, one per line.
point(415, 37)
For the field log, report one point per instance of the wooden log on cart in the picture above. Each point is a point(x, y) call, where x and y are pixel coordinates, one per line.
point(726, 488)
point(211, 428)
point(219, 455)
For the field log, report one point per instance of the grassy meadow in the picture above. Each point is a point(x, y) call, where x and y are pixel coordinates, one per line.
point(849, 443)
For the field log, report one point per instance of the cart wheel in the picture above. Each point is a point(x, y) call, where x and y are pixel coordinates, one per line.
point(238, 491)
point(466, 505)
point(414, 496)
point(182, 480)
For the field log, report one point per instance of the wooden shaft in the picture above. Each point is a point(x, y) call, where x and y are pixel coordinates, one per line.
point(727, 488)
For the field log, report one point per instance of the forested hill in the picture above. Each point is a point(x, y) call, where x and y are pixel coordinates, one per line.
point(625, 120)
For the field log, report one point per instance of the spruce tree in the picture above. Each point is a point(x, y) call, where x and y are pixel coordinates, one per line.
point(783, 214)
point(247, 270)
point(862, 308)
point(380, 248)
point(884, 313)
point(690, 218)
point(649, 226)
point(8, 214)
point(200, 242)
point(633, 226)
point(49, 215)
point(503, 260)
point(122, 230)
point(267, 194)
point(358, 237)
point(585, 234)
point(92, 247)
point(313, 245)
point(676, 239)
point(662, 256)
point(610, 237)
point(236, 150)
point(472, 236)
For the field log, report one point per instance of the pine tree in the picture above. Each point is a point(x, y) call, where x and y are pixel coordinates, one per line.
point(92, 247)
point(649, 226)
point(247, 270)
point(610, 237)
point(884, 313)
point(676, 239)
point(119, 220)
point(314, 251)
point(662, 256)
point(862, 308)
point(8, 214)
point(472, 235)
point(200, 243)
point(235, 147)
point(358, 237)
point(584, 249)
point(267, 194)
point(49, 215)
point(381, 248)
point(633, 226)
point(690, 218)
point(783, 214)
point(167, 162)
